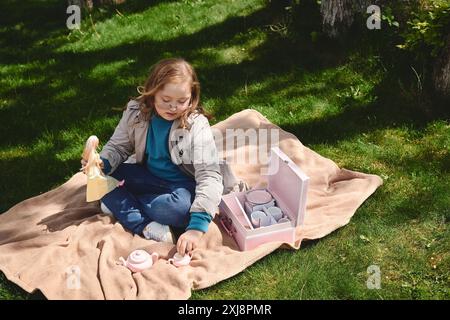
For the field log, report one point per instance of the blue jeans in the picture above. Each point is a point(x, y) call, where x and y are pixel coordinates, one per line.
point(144, 198)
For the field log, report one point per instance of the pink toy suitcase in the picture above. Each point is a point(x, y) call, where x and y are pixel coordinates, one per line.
point(288, 185)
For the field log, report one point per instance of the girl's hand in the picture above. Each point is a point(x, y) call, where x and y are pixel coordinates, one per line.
point(84, 163)
point(188, 241)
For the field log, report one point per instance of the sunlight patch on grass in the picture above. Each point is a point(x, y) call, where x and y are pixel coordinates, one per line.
point(298, 96)
point(19, 75)
point(74, 140)
point(415, 261)
point(161, 22)
point(66, 145)
point(64, 95)
point(109, 70)
point(14, 152)
point(12, 82)
point(6, 103)
point(237, 50)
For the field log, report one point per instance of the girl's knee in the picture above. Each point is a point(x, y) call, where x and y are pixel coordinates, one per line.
point(181, 206)
point(181, 200)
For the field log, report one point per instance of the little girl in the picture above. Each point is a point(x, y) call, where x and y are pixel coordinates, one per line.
point(176, 179)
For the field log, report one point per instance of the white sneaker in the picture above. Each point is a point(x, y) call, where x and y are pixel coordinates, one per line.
point(158, 232)
point(105, 209)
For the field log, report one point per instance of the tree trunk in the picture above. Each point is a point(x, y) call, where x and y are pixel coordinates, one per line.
point(441, 72)
point(338, 15)
point(89, 4)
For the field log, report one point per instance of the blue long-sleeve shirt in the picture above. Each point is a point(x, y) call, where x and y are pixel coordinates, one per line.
point(159, 162)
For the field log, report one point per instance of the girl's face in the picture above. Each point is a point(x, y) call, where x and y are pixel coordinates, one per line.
point(172, 100)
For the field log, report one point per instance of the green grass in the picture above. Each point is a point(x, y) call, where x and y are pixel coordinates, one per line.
point(58, 87)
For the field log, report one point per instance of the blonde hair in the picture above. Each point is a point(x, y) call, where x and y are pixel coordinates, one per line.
point(171, 70)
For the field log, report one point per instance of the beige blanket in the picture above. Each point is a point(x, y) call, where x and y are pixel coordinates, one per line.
point(68, 249)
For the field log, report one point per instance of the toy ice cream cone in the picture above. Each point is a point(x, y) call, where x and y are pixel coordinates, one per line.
point(97, 183)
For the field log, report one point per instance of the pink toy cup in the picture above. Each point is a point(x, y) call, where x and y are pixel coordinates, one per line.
point(140, 260)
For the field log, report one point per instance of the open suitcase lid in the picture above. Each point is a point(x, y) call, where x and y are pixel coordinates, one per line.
point(288, 183)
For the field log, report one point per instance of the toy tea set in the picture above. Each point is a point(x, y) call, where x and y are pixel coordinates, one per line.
point(260, 207)
point(268, 214)
point(140, 260)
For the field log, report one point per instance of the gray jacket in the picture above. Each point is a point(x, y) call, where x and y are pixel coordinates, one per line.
point(192, 149)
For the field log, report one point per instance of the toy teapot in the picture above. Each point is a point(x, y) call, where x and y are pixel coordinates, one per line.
point(140, 260)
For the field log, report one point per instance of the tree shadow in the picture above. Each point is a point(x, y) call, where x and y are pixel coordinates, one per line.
point(388, 110)
point(67, 218)
point(28, 26)
point(91, 97)
point(44, 167)
point(274, 57)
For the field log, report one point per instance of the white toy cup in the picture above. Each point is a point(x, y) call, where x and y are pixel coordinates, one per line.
point(179, 261)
